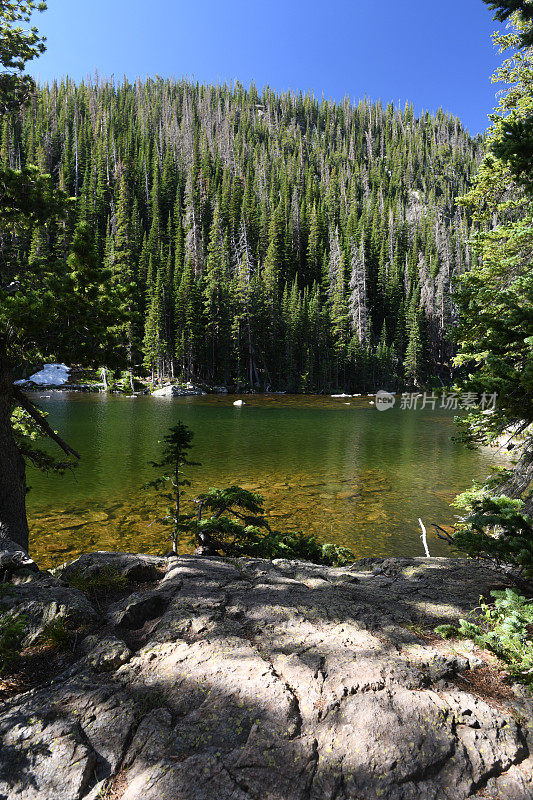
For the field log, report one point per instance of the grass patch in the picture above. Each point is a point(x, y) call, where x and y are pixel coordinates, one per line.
point(56, 634)
point(107, 581)
point(13, 630)
point(147, 700)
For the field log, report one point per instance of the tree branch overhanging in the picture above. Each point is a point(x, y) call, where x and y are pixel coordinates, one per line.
point(25, 403)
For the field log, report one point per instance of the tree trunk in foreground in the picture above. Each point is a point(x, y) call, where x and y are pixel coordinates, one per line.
point(13, 520)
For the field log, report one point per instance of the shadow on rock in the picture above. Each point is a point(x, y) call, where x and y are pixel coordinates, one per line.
point(273, 680)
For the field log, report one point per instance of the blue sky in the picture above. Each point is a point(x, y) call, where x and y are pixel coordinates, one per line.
point(433, 53)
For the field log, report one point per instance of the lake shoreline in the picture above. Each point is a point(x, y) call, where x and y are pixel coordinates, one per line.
point(203, 675)
point(89, 380)
point(336, 467)
point(198, 392)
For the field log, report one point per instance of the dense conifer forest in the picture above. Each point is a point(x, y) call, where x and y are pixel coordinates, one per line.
point(260, 241)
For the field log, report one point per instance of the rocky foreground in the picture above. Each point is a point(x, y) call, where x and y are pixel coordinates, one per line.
point(212, 679)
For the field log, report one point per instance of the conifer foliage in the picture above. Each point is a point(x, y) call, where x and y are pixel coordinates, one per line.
point(258, 241)
point(495, 303)
point(54, 295)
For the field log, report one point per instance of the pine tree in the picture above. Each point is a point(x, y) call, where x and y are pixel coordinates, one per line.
point(189, 323)
point(292, 198)
point(154, 344)
point(357, 302)
point(414, 362)
point(216, 301)
point(123, 274)
point(174, 457)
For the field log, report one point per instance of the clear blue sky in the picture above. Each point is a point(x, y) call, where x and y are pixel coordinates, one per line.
point(431, 52)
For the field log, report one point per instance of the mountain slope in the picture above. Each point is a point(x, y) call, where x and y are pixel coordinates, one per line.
point(265, 240)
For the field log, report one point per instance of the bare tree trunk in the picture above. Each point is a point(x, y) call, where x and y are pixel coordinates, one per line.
point(13, 520)
point(176, 511)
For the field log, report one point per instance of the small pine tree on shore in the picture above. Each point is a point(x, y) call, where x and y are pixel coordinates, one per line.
point(174, 457)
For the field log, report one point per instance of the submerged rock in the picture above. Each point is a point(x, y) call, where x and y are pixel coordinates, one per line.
point(246, 678)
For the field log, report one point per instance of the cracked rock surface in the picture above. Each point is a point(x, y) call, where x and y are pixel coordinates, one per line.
point(220, 679)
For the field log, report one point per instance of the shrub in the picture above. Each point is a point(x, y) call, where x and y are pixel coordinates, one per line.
point(293, 546)
point(238, 527)
point(495, 528)
point(230, 521)
point(504, 627)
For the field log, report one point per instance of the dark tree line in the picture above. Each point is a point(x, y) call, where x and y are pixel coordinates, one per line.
point(257, 240)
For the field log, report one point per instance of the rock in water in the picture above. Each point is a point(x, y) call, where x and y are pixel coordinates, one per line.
point(174, 390)
point(239, 679)
point(14, 560)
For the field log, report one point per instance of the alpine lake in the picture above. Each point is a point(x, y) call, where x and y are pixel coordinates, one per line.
point(334, 466)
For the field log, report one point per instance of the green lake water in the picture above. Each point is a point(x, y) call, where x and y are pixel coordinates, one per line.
point(348, 472)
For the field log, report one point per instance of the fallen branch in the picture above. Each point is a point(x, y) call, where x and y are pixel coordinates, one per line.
point(25, 403)
point(439, 531)
point(423, 537)
point(517, 431)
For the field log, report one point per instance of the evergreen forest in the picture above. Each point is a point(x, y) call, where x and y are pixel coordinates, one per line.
point(259, 241)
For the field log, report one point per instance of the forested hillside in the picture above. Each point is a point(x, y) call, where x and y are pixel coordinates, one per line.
point(259, 241)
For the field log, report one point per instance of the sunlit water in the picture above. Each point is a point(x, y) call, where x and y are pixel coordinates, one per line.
point(337, 467)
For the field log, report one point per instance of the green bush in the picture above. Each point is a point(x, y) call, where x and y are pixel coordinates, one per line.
point(497, 529)
point(230, 521)
point(237, 526)
point(504, 627)
point(293, 546)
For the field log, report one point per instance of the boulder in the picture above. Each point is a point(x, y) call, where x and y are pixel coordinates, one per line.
point(282, 680)
point(14, 561)
point(134, 568)
point(42, 600)
point(106, 653)
point(176, 390)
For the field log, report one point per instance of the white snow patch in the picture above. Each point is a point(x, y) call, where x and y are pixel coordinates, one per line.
point(49, 375)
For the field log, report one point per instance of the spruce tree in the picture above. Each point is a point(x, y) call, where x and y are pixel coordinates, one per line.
point(34, 294)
